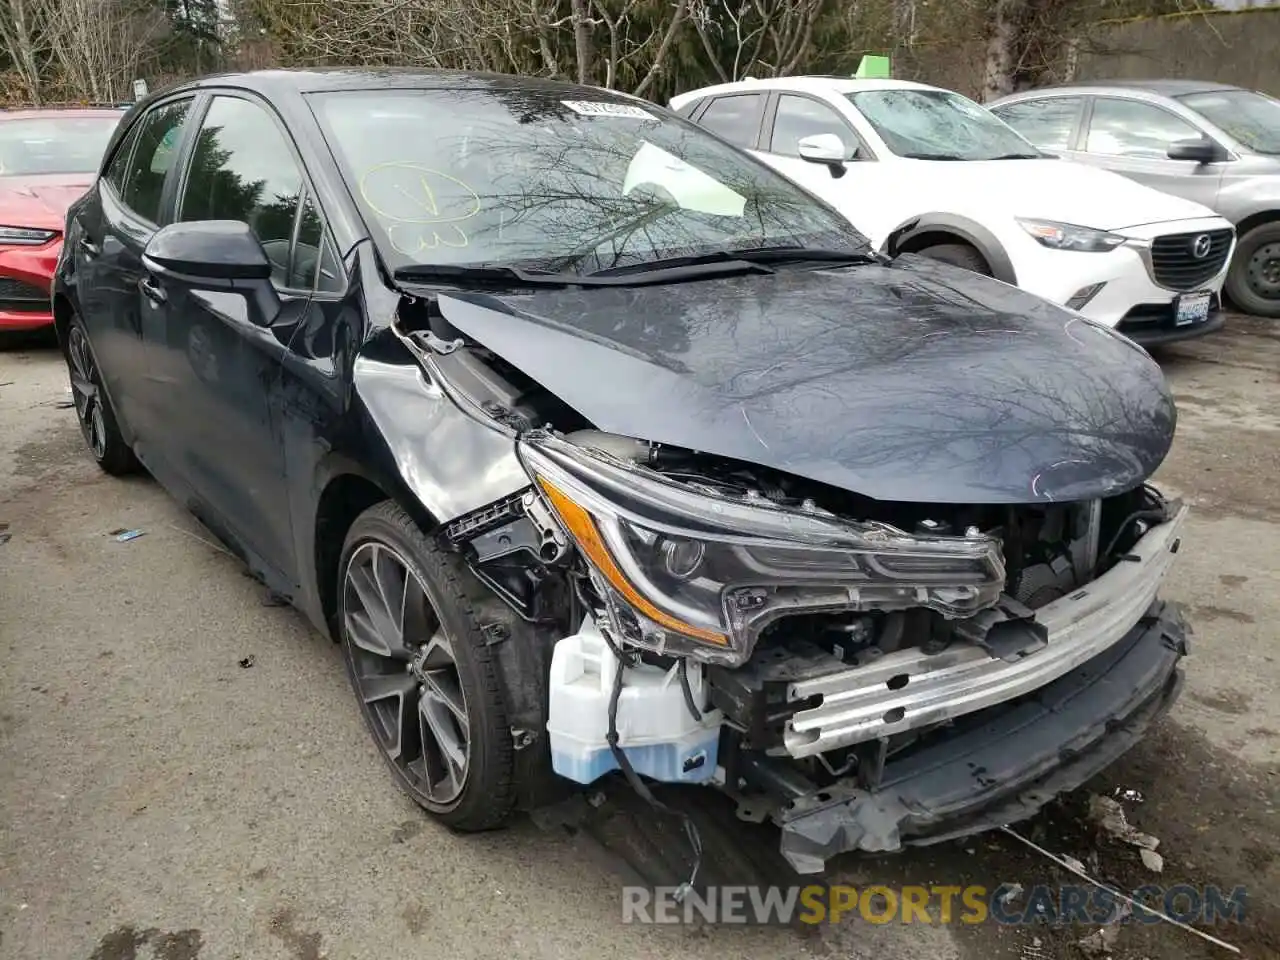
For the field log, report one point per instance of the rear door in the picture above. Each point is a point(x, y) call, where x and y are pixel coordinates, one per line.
point(119, 216)
point(218, 353)
point(1132, 137)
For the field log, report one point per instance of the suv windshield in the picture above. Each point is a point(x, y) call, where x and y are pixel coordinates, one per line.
point(939, 125)
point(37, 145)
point(495, 175)
point(1252, 118)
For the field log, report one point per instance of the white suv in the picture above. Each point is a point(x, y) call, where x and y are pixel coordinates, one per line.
point(924, 170)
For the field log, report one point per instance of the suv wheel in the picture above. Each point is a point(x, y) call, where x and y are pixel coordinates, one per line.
point(424, 678)
point(1253, 283)
point(959, 255)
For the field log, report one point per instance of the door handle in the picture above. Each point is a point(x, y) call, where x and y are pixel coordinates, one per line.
point(89, 248)
point(152, 291)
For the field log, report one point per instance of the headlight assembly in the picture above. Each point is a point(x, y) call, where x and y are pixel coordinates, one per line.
point(694, 573)
point(25, 236)
point(1068, 236)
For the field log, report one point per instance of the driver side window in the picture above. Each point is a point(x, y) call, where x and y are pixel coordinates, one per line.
point(800, 117)
point(242, 168)
point(1129, 128)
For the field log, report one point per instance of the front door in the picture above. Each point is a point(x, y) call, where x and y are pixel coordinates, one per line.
point(217, 351)
point(1132, 138)
point(857, 192)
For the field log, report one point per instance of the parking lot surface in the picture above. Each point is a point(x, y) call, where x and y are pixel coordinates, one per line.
point(183, 773)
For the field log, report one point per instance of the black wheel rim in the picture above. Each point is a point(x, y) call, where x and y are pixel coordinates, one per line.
point(1263, 271)
point(405, 673)
point(84, 393)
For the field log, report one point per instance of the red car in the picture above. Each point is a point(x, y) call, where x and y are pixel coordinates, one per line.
point(47, 159)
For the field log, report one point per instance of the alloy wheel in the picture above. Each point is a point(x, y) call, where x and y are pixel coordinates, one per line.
point(84, 392)
point(405, 673)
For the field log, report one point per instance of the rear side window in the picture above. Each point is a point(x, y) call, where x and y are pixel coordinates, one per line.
point(799, 117)
point(1048, 123)
point(243, 169)
point(119, 166)
point(159, 135)
point(736, 118)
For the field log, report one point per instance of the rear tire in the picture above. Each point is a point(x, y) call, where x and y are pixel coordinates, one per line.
point(98, 424)
point(1253, 282)
point(959, 255)
point(424, 677)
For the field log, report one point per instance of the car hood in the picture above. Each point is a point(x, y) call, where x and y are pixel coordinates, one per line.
point(908, 381)
point(1061, 190)
point(40, 201)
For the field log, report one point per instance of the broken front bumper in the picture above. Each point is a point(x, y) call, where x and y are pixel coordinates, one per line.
point(911, 689)
point(1002, 765)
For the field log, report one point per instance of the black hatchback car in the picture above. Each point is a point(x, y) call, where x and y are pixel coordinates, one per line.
point(600, 446)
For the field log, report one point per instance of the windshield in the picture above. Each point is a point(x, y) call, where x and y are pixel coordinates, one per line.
point(496, 175)
point(1252, 118)
point(939, 125)
point(53, 144)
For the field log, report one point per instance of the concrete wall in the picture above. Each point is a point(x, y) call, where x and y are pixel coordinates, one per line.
point(1241, 48)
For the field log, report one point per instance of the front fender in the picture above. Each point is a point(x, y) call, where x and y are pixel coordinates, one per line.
point(449, 461)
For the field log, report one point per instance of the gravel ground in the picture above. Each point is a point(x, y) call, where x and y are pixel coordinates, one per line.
point(160, 800)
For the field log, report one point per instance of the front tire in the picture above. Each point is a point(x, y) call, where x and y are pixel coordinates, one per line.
point(98, 424)
point(1253, 282)
point(960, 255)
point(423, 675)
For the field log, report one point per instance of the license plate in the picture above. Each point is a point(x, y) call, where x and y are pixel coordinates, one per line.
point(1191, 308)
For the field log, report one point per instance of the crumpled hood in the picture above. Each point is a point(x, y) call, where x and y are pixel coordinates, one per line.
point(912, 381)
point(1052, 189)
point(40, 201)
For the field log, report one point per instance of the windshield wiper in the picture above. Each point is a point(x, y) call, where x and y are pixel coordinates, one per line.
point(761, 259)
point(662, 271)
point(667, 270)
point(454, 273)
point(933, 156)
point(1018, 156)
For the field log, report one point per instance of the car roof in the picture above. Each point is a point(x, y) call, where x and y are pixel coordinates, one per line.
point(808, 84)
point(271, 83)
point(1167, 88)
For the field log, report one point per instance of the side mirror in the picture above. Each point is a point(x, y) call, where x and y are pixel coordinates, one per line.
point(823, 148)
point(1202, 150)
point(208, 250)
point(217, 255)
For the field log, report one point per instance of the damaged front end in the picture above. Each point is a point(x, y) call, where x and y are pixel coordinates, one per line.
point(916, 673)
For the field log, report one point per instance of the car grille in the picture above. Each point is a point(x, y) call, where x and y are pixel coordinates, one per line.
point(1175, 265)
point(19, 297)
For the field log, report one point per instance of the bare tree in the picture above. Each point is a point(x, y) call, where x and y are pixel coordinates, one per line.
point(98, 46)
point(22, 29)
point(1002, 48)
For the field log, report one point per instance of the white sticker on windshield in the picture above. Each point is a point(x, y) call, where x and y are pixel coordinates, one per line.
point(591, 108)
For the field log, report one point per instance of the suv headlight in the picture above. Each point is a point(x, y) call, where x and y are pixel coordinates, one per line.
point(25, 236)
point(695, 573)
point(1068, 236)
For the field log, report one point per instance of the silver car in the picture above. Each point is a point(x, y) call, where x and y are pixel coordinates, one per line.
point(1209, 142)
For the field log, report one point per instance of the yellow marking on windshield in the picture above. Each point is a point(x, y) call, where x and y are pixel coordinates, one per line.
point(418, 184)
point(453, 236)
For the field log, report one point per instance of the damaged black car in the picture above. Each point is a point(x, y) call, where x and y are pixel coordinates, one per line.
point(599, 446)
